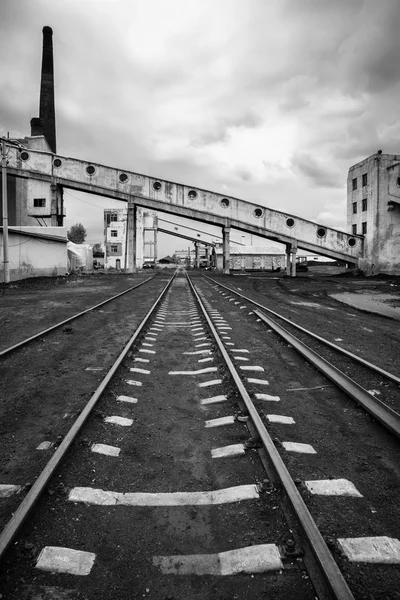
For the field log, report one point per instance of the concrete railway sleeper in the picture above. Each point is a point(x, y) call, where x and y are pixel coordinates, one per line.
point(153, 499)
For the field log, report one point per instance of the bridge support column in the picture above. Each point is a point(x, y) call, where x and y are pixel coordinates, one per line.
point(130, 246)
point(196, 255)
point(291, 251)
point(226, 248)
point(57, 205)
point(207, 256)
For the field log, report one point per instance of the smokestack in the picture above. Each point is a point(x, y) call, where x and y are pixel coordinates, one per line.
point(47, 114)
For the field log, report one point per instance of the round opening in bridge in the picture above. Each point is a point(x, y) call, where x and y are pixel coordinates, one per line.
point(157, 185)
point(57, 162)
point(224, 202)
point(90, 170)
point(398, 181)
point(24, 155)
point(258, 212)
point(123, 177)
point(352, 242)
point(321, 232)
point(290, 222)
point(192, 194)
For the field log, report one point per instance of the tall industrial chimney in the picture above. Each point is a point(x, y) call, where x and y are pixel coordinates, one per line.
point(47, 114)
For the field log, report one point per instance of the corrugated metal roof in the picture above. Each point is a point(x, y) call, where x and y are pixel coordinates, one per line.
point(252, 250)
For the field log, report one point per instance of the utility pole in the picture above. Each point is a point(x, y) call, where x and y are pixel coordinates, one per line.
point(5, 211)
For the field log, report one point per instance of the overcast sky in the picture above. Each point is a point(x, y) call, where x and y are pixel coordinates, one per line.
point(268, 100)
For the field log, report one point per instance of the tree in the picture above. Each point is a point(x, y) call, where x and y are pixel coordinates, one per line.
point(97, 248)
point(76, 233)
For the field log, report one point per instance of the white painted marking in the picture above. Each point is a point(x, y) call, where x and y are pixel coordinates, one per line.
point(280, 419)
point(199, 372)
point(318, 387)
point(45, 446)
point(155, 329)
point(94, 368)
point(252, 368)
point(65, 560)
point(220, 422)
point(137, 370)
point(253, 559)
point(202, 360)
point(231, 299)
point(202, 345)
point(213, 400)
point(147, 345)
point(297, 447)
point(114, 420)
point(332, 487)
point(240, 358)
point(7, 489)
point(214, 497)
point(145, 351)
point(128, 399)
point(200, 339)
point(224, 327)
point(244, 306)
point(242, 350)
point(267, 397)
point(338, 339)
point(258, 381)
point(133, 382)
point(198, 334)
point(229, 344)
point(107, 450)
point(228, 451)
point(209, 383)
point(198, 329)
point(381, 549)
point(226, 337)
point(199, 351)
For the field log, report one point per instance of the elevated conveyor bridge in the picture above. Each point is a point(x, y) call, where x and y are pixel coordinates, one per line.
point(186, 201)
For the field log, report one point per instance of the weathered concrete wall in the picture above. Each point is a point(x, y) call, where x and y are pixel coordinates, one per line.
point(192, 202)
point(31, 256)
point(381, 215)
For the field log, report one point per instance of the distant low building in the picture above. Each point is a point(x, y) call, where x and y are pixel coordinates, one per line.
point(250, 258)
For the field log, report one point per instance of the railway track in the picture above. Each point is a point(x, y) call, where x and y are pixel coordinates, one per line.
point(183, 484)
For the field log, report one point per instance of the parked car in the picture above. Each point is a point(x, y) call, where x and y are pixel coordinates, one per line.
point(148, 264)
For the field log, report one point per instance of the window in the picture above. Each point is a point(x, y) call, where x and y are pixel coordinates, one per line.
point(39, 202)
point(355, 184)
point(364, 204)
point(365, 179)
point(114, 233)
point(354, 208)
point(114, 249)
point(111, 217)
point(364, 227)
point(354, 229)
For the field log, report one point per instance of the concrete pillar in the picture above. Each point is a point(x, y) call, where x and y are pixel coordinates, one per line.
point(130, 248)
point(288, 259)
point(207, 256)
point(293, 252)
point(196, 254)
point(226, 248)
point(56, 205)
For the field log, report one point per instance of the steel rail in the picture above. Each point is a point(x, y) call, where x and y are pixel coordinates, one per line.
point(332, 575)
point(375, 407)
point(83, 312)
point(354, 357)
point(26, 506)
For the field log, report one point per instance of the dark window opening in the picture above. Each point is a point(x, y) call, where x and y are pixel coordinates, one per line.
point(354, 208)
point(355, 184)
point(114, 233)
point(113, 249)
point(110, 217)
point(364, 227)
point(364, 204)
point(365, 179)
point(39, 202)
point(354, 229)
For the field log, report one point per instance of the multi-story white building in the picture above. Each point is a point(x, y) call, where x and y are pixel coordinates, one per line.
point(373, 210)
point(116, 240)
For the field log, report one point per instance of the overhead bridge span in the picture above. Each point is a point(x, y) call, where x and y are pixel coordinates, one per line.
point(186, 201)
